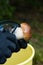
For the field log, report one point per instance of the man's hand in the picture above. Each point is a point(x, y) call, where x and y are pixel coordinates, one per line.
point(8, 45)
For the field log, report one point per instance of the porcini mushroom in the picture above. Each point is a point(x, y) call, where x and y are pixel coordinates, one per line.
point(26, 31)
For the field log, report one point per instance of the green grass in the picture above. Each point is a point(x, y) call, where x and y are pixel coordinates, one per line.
point(37, 42)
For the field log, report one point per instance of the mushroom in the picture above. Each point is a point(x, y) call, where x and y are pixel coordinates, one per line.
point(26, 30)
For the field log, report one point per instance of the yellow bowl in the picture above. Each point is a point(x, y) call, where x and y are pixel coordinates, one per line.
point(23, 57)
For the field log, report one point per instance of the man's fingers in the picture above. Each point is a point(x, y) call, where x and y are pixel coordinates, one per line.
point(2, 60)
point(7, 53)
point(1, 54)
point(11, 45)
point(23, 43)
point(12, 38)
point(14, 47)
point(17, 47)
point(10, 35)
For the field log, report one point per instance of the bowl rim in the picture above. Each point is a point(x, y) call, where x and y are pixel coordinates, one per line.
point(29, 59)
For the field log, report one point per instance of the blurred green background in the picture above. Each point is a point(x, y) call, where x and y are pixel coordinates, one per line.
point(30, 11)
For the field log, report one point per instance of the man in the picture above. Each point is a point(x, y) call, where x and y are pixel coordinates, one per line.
point(13, 38)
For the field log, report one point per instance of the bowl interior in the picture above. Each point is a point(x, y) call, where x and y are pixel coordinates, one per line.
point(20, 56)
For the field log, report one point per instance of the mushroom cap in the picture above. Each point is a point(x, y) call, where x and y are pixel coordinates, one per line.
point(26, 30)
